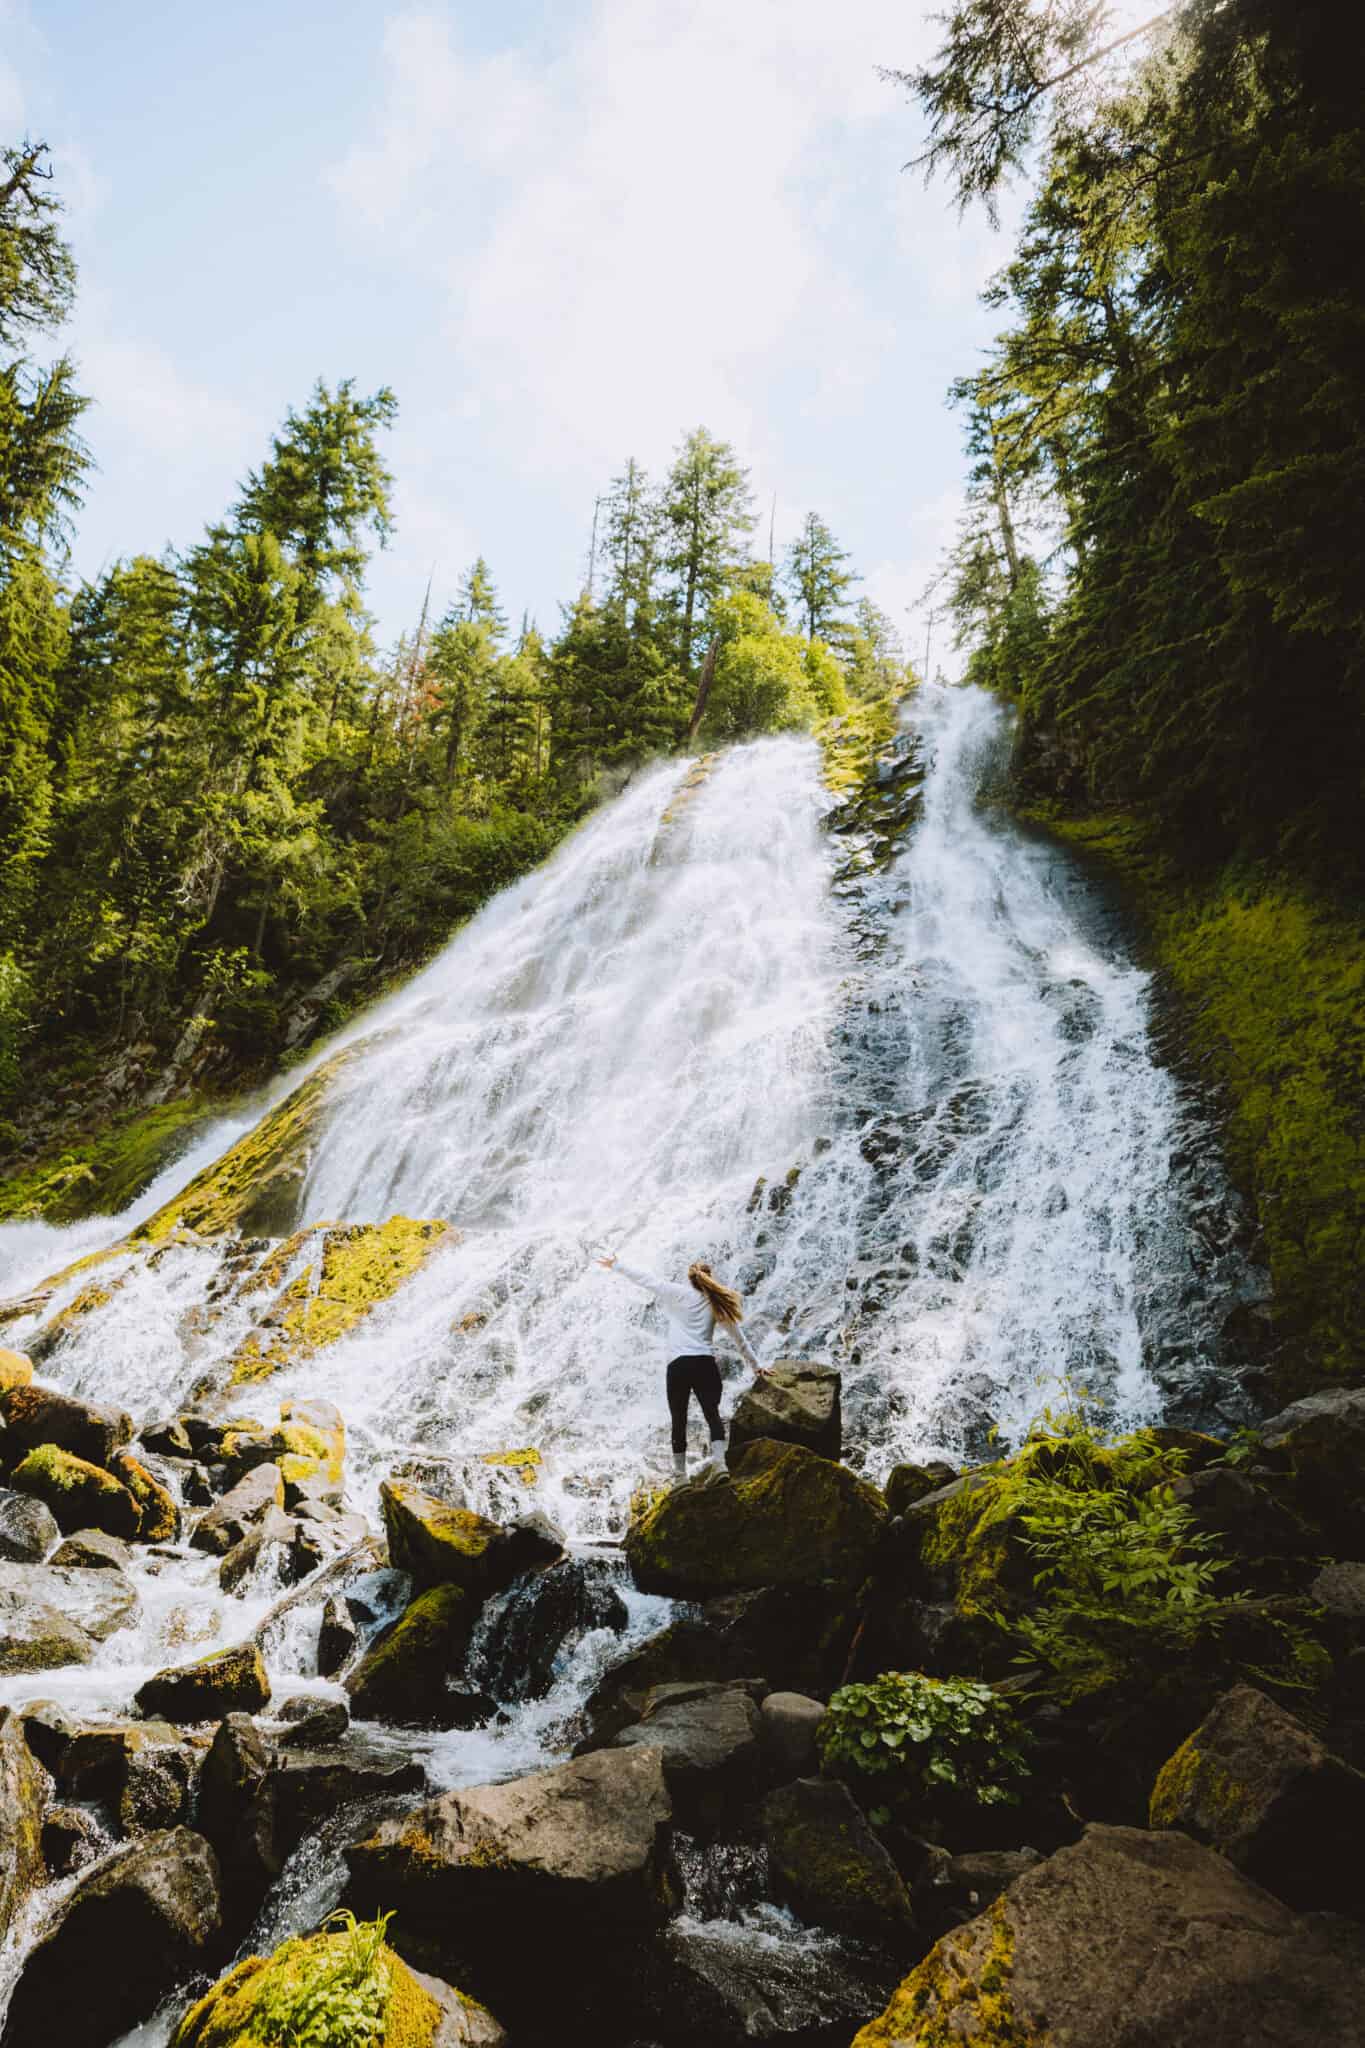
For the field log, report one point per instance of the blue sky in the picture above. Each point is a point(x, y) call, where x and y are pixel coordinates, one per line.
point(563, 235)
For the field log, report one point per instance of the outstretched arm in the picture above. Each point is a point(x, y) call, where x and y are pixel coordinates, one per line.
point(746, 1351)
point(663, 1290)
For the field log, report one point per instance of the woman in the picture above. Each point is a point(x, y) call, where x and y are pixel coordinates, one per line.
point(692, 1313)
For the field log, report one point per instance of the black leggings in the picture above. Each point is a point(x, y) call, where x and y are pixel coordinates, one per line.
point(686, 1377)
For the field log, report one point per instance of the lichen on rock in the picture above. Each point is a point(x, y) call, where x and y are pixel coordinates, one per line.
point(80, 1495)
point(353, 1267)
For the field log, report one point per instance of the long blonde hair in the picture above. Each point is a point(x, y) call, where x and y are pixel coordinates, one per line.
point(727, 1305)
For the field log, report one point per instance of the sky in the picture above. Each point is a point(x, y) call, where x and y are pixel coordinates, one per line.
point(563, 235)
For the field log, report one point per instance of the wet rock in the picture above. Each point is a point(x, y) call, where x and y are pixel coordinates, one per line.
point(28, 1528)
point(356, 1576)
point(1128, 1939)
point(239, 1510)
point(547, 1610)
point(236, 1811)
point(338, 1637)
point(313, 1786)
point(1320, 1444)
point(16, 1369)
point(99, 1602)
point(47, 1730)
point(1259, 1787)
point(579, 1853)
point(169, 1439)
point(40, 1415)
point(276, 1544)
point(223, 1682)
point(1339, 1590)
point(707, 1736)
point(315, 1726)
point(442, 1545)
point(35, 1637)
point(140, 1770)
point(786, 1733)
point(794, 1403)
point(829, 1867)
point(728, 1986)
point(158, 1515)
point(71, 1838)
point(314, 1440)
point(951, 1890)
point(421, 2011)
point(22, 1798)
point(403, 1677)
point(90, 1550)
point(80, 1495)
point(209, 1432)
point(908, 1483)
point(125, 1935)
point(785, 1516)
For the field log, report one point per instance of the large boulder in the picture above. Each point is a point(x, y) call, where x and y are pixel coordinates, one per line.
point(236, 1812)
point(404, 1676)
point(90, 1550)
point(1133, 1940)
point(794, 1403)
point(418, 2011)
point(100, 1602)
point(223, 1682)
point(828, 1866)
point(129, 1931)
point(79, 1494)
point(905, 1484)
point(36, 1637)
point(1259, 1787)
point(557, 1605)
point(278, 1546)
point(787, 1726)
point(28, 1528)
point(729, 1985)
point(239, 1510)
point(443, 1545)
point(40, 1415)
point(311, 1786)
point(1339, 1590)
point(564, 1866)
point(707, 1736)
point(785, 1517)
point(1320, 1443)
point(22, 1798)
point(140, 1770)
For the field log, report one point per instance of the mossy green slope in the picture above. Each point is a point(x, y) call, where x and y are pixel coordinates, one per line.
point(1273, 983)
point(102, 1173)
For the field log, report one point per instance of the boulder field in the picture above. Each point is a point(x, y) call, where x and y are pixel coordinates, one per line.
point(986, 1786)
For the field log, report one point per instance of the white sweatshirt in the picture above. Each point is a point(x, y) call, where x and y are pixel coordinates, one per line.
point(690, 1317)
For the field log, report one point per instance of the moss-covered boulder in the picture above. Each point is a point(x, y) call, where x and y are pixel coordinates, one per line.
point(36, 1415)
point(348, 1269)
point(80, 1495)
point(1126, 1940)
point(905, 1484)
point(378, 1997)
point(35, 1636)
point(22, 1799)
point(16, 1369)
point(222, 1682)
point(784, 1517)
point(403, 1678)
point(828, 1866)
point(313, 1445)
point(127, 1934)
point(1259, 1787)
point(158, 1515)
point(444, 1545)
point(795, 1402)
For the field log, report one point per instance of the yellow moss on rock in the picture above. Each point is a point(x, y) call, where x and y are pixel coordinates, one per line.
point(357, 1266)
point(1192, 1782)
point(961, 1996)
point(80, 1495)
point(16, 1370)
point(234, 2014)
point(525, 1464)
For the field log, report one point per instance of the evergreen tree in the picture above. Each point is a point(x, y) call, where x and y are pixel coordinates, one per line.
point(707, 514)
point(818, 580)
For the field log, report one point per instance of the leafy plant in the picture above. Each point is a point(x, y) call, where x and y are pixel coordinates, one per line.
point(952, 1734)
point(338, 1999)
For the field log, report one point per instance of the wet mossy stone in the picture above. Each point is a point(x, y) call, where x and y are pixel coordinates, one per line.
point(784, 1517)
point(223, 1682)
point(79, 1494)
point(244, 1505)
point(444, 1545)
point(794, 1403)
point(128, 1933)
point(1319, 1444)
point(90, 1550)
point(404, 1677)
point(242, 2008)
point(1126, 1940)
point(37, 1637)
point(38, 1415)
point(906, 1484)
point(16, 1369)
point(707, 1735)
point(828, 1866)
point(23, 1795)
point(158, 1515)
point(348, 1270)
point(1262, 1790)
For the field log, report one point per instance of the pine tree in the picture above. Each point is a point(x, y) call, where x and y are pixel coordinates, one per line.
point(707, 514)
point(818, 580)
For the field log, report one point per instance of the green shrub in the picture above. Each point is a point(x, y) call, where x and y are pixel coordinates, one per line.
point(950, 1734)
point(340, 2000)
